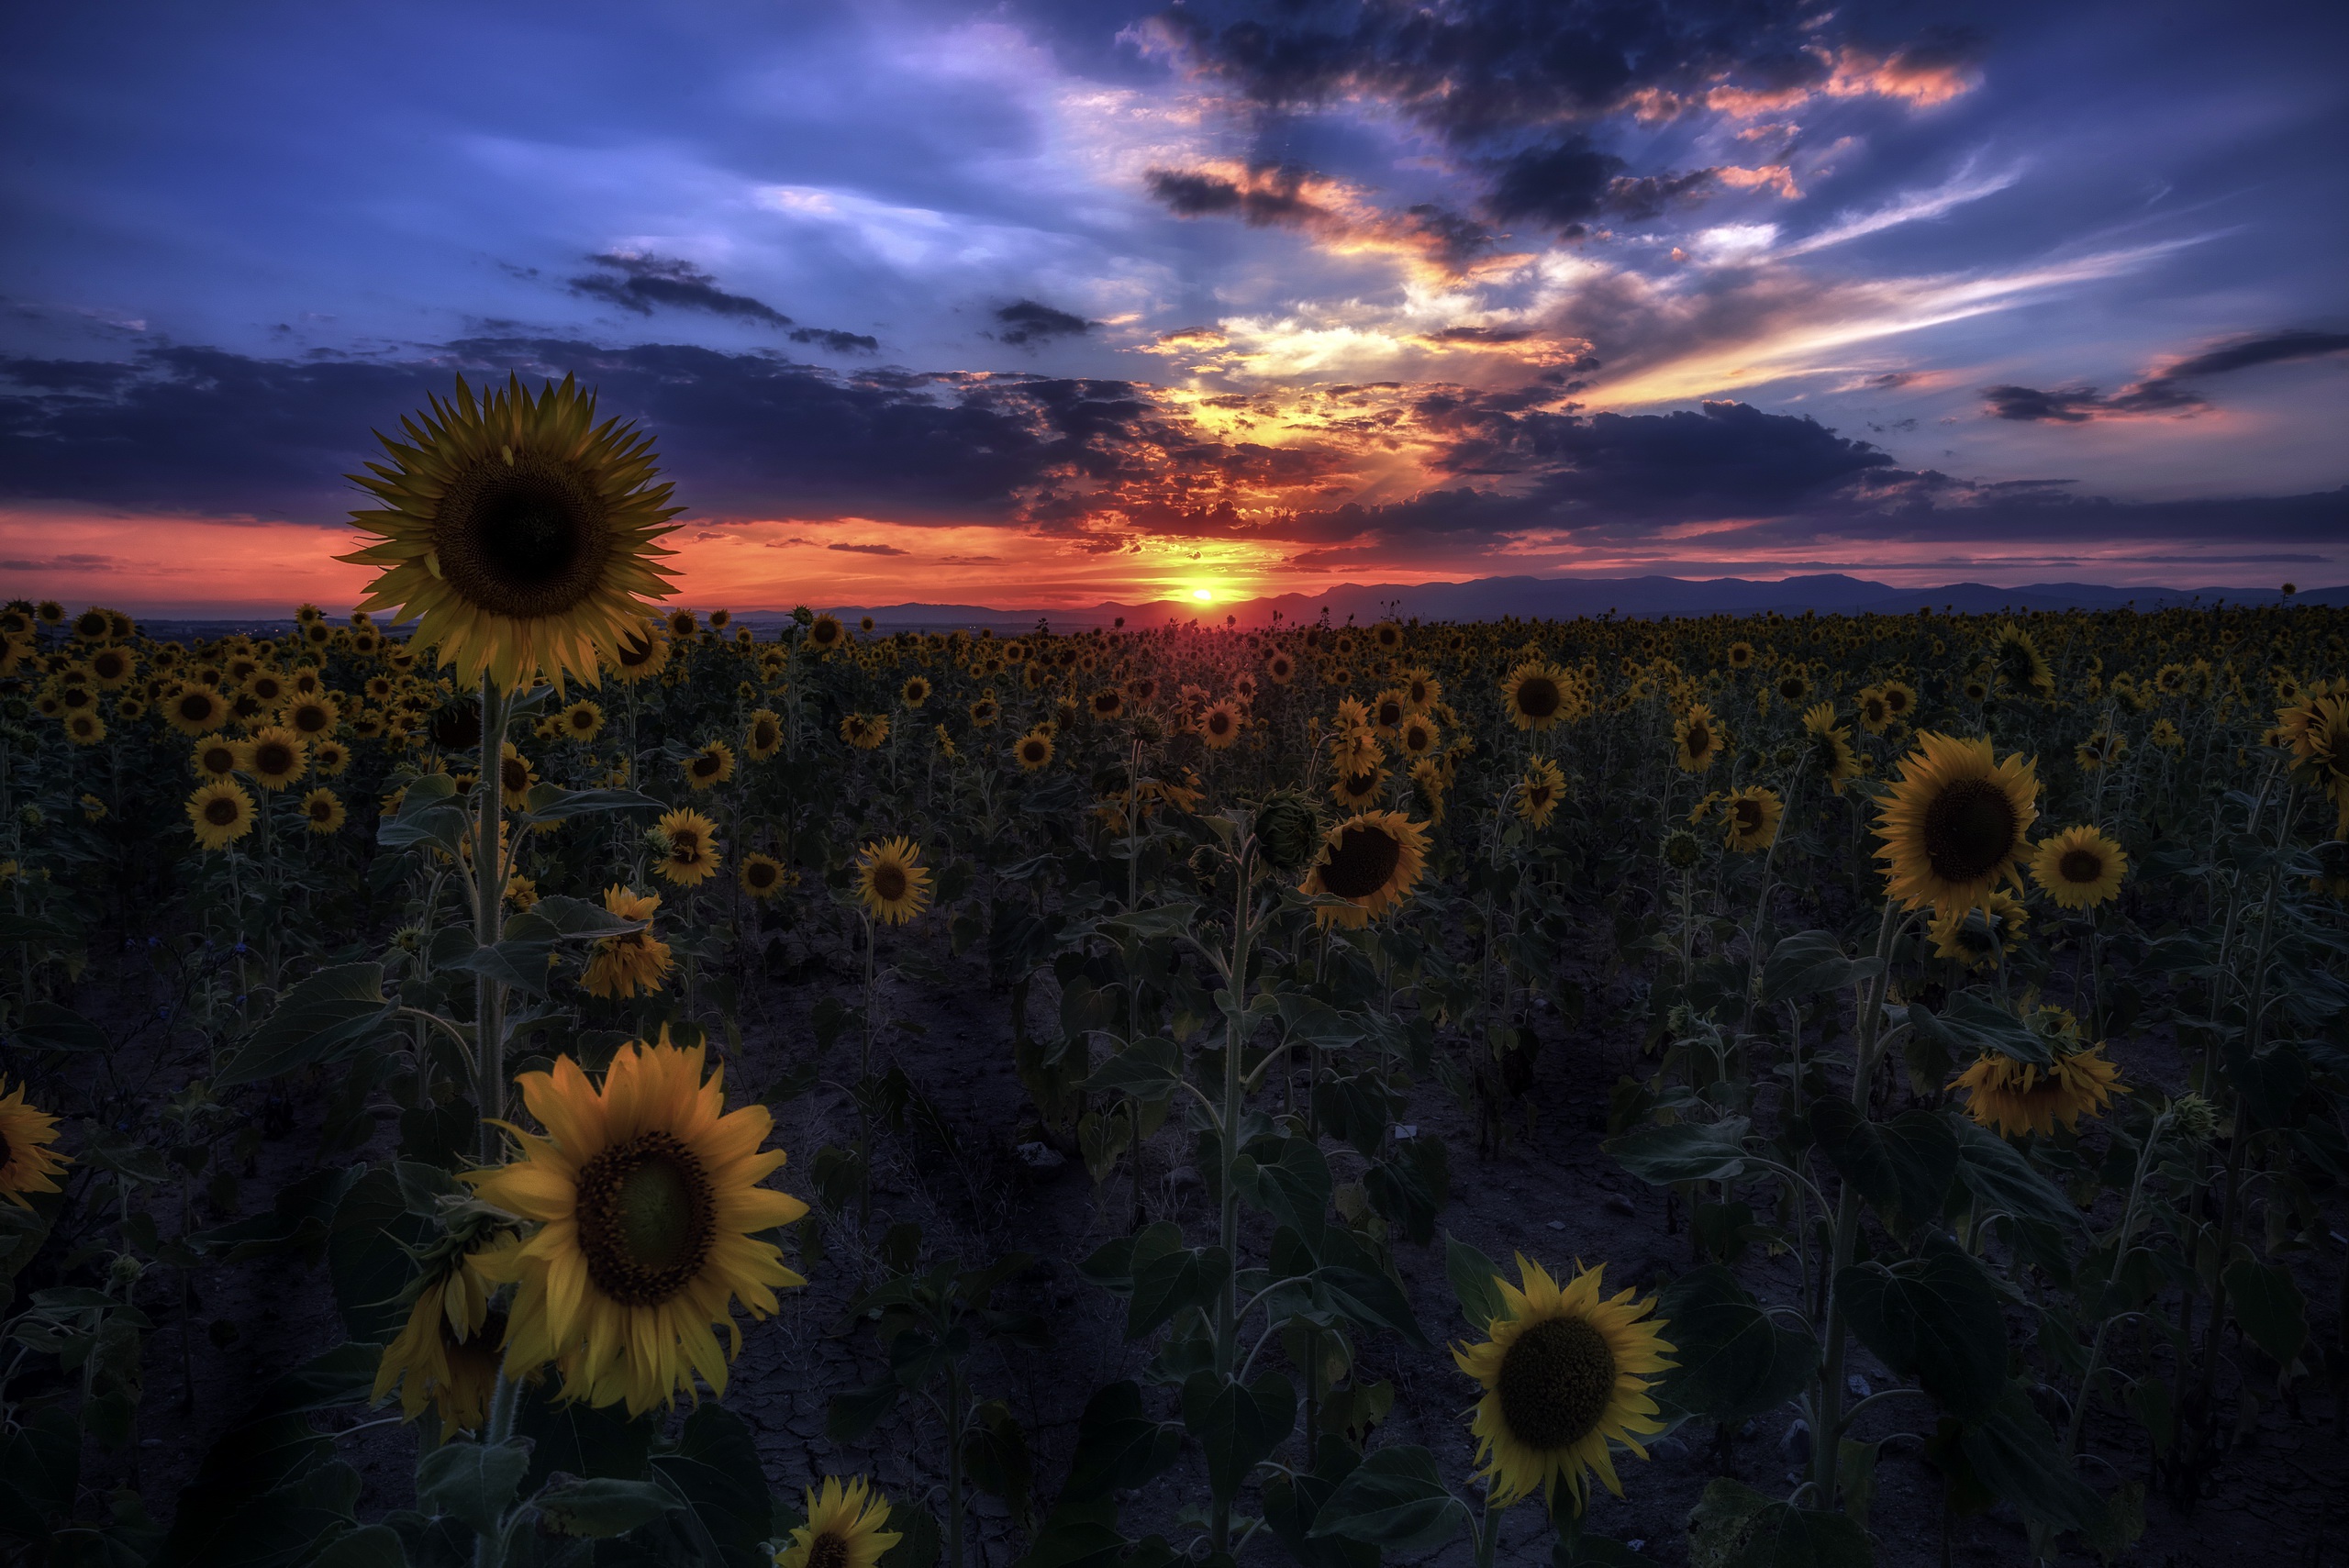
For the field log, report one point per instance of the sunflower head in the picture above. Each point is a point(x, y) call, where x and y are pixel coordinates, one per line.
point(2079, 868)
point(1565, 1372)
point(620, 966)
point(323, 810)
point(762, 876)
point(520, 531)
point(28, 1163)
point(1537, 694)
point(691, 855)
point(891, 882)
point(221, 813)
point(845, 1529)
point(2013, 1098)
point(763, 738)
point(1697, 739)
point(710, 766)
point(1750, 818)
point(1034, 752)
point(1956, 823)
point(1372, 859)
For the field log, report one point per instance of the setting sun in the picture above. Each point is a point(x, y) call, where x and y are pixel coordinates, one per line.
point(1203, 595)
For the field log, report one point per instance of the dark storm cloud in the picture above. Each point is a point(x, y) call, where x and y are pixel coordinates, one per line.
point(1025, 322)
point(837, 341)
point(1571, 183)
point(639, 283)
point(2164, 391)
point(1270, 197)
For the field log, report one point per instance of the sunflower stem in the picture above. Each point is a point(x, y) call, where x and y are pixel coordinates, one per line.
point(489, 893)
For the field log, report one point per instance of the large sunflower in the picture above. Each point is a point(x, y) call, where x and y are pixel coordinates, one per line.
point(275, 757)
point(645, 1194)
point(1373, 860)
point(641, 653)
point(1750, 818)
point(446, 1354)
point(2079, 868)
point(891, 882)
point(692, 856)
point(2012, 1097)
point(221, 813)
point(1540, 791)
point(1956, 823)
point(1564, 1372)
point(1536, 694)
point(846, 1528)
point(520, 531)
point(26, 1161)
point(1219, 726)
point(619, 966)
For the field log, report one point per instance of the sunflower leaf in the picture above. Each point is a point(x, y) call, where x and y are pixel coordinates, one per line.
point(1476, 1282)
point(2000, 1178)
point(1394, 1500)
point(1808, 962)
point(324, 1018)
point(1237, 1423)
point(471, 1483)
point(598, 1506)
point(2012, 1451)
point(1735, 1360)
point(552, 802)
point(1934, 1316)
point(1973, 1025)
point(1683, 1152)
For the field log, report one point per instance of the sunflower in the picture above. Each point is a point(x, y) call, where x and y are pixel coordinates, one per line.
point(1107, 702)
point(1373, 860)
point(844, 1529)
point(762, 876)
point(323, 809)
point(891, 882)
point(1279, 668)
point(984, 712)
point(1539, 791)
point(27, 1163)
point(1977, 938)
point(1697, 739)
point(85, 728)
point(644, 1191)
point(1358, 791)
point(1750, 818)
point(216, 757)
point(329, 758)
point(826, 633)
point(1792, 685)
point(763, 738)
point(2020, 663)
point(1831, 747)
point(642, 653)
point(2166, 735)
point(914, 692)
point(1956, 823)
point(2099, 750)
point(221, 813)
point(682, 624)
point(2079, 868)
point(1034, 752)
point(446, 1354)
point(1875, 714)
point(275, 757)
point(1417, 735)
point(619, 967)
point(520, 531)
point(2012, 1097)
point(692, 856)
point(515, 777)
point(583, 720)
point(710, 766)
point(1219, 726)
point(1899, 698)
point(1564, 1372)
point(1535, 694)
point(112, 668)
point(865, 731)
point(1740, 655)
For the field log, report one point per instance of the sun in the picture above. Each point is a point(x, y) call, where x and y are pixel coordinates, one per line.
point(1205, 595)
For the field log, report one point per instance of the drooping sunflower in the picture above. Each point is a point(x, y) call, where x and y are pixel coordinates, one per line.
point(323, 809)
point(1956, 824)
point(984, 711)
point(1750, 818)
point(447, 1353)
point(891, 882)
point(865, 731)
point(1034, 752)
point(221, 813)
point(619, 967)
point(1358, 791)
point(1539, 791)
point(2012, 1097)
point(583, 720)
point(1219, 726)
point(691, 857)
point(28, 1163)
point(1831, 747)
point(1373, 860)
point(645, 1192)
point(275, 757)
point(520, 531)
point(641, 652)
point(515, 777)
point(1564, 1372)
point(710, 766)
point(1535, 694)
point(763, 736)
point(2020, 663)
point(1977, 938)
point(762, 876)
point(845, 1528)
point(2079, 868)
point(1697, 739)
point(2101, 750)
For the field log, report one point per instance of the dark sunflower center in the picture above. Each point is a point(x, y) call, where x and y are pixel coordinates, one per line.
point(1554, 1383)
point(828, 1551)
point(514, 774)
point(1896, 701)
point(760, 874)
point(321, 811)
point(1749, 815)
point(684, 845)
point(1217, 723)
point(1537, 698)
point(524, 539)
point(1361, 784)
point(220, 811)
point(762, 735)
point(220, 760)
point(272, 757)
point(1700, 739)
point(1791, 688)
point(1969, 830)
point(2081, 865)
point(646, 1220)
point(889, 882)
point(1538, 796)
point(583, 722)
point(310, 718)
point(1363, 862)
point(195, 708)
point(1390, 713)
point(705, 767)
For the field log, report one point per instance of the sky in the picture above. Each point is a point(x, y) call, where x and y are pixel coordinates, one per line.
point(1048, 302)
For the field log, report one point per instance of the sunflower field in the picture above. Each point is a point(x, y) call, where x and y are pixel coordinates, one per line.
point(525, 1073)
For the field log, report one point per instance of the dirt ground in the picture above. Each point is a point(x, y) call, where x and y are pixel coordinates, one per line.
point(1555, 1196)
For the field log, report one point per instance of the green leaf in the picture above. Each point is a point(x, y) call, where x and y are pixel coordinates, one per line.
point(369, 1546)
point(552, 802)
point(1237, 1424)
point(45, 1026)
point(577, 1438)
point(1733, 1526)
point(1936, 1318)
point(2000, 1178)
point(1735, 1360)
point(1396, 1501)
point(2013, 1453)
point(472, 1483)
point(1901, 1167)
point(1808, 962)
point(1169, 1277)
point(40, 1466)
point(324, 1017)
point(1287, 1178)
point(598, 1506)
point(715, 1472)
point(1476, 1282)
point(367, 1257)
point(1683, 1152)
point(1150, 1070)
point(2267, 1303)
point(1119, 1446)
point(1972, 1023)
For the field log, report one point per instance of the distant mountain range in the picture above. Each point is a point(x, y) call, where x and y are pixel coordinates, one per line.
point(1490, 598)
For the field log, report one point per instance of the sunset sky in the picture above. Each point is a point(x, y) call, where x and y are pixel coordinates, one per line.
point(1042, 303)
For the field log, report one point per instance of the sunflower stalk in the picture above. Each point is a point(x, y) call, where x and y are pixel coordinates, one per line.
point(489, 898)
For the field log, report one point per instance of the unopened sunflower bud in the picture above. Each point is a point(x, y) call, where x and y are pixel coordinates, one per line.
point(656, 839)
point(2196, 1119)
point(30, 817)
point(1288, 830)
point(1681, 850)
point(1147, 727)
